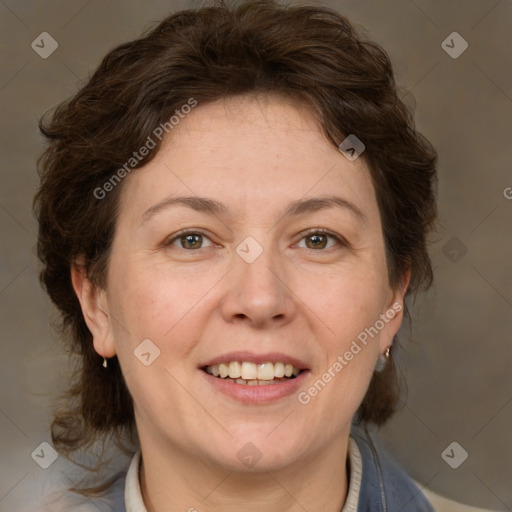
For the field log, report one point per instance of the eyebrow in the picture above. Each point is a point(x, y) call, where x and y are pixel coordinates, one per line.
point(213, 207)
point(199, 204)
point(319, 203)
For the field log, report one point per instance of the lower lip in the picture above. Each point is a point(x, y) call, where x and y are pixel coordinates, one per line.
point(257, 394)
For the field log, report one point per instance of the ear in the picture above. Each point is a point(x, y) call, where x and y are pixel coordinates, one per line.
point(394, 312)
point(94, 309)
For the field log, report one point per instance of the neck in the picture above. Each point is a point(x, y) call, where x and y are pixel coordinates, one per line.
point(317, 484)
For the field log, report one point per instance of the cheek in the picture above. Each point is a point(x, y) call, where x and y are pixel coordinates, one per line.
point(152, 302)
point(349, 301)
point(147, 305)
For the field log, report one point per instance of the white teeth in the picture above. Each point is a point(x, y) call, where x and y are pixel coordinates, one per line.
point(249, 371)
point(234, 369)
point(223, 370)
point(279, 370)
point(253, 382)
point(253, 374)
point(265, 371)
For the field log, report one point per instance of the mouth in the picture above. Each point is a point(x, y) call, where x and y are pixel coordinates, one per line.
point(255, 379)
point(248, 373)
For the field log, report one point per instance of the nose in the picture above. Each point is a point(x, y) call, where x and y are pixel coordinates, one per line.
point(259, 293)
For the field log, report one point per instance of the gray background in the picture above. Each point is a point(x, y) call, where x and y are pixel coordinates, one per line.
point(457, 357)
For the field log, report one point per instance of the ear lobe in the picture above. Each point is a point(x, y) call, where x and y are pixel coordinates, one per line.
point(395, 310)
point(399, 293)
point(405, 281)
point(94, 309)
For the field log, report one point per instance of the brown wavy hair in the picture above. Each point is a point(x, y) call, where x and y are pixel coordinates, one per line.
point(309, 54)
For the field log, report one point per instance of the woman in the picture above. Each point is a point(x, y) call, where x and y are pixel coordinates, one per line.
point(232, 213)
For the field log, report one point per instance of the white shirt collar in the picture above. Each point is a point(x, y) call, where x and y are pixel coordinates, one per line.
point(356, 473)
point(132, 493)
point(133, 496)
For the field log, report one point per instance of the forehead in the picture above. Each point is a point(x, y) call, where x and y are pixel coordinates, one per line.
point(248, 150)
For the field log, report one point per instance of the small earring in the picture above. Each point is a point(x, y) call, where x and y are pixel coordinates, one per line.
point(382, 360)
point(104, 362)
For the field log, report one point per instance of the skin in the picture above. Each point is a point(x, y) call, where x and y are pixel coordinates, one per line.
point(255, 155)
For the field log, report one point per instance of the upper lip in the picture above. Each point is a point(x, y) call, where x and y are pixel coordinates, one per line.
point(251, 357)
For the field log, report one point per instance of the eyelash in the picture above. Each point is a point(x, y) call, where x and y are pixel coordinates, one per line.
point(182, 234)
point(342, 242)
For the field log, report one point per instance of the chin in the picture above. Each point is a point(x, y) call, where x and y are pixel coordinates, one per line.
point(253, 460)
point(255, 450)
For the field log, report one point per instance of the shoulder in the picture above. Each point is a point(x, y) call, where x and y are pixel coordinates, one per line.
point(62, 499)
point(117, 495)
point(385, 486)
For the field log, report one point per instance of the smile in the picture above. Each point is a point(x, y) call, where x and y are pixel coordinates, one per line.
point(252, 374)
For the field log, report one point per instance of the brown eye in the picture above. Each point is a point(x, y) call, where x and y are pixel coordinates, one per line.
point(189, 240)
point(193, 241)
point(316, 241)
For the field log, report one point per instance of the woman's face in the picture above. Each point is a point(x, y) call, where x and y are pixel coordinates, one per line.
point(248, 239)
